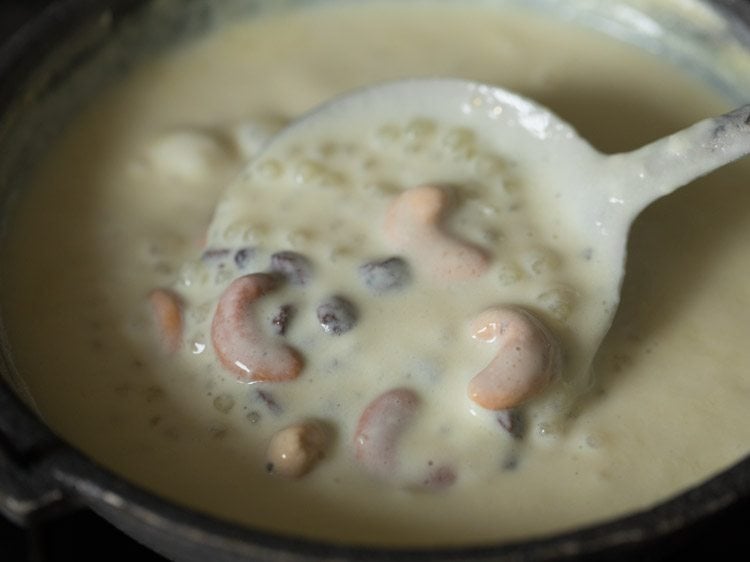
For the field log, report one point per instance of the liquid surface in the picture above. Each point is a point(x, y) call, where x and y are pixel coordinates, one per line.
point(126, 211)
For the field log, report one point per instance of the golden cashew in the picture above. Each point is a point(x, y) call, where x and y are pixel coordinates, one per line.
point(239, 341)
point(376, 443)
point(413, 225)
point(381, 424)
point(527, 359)
point(166, 309)
point(296, 449)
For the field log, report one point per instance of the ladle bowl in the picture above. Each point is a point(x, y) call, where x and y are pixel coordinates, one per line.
point(586, 196)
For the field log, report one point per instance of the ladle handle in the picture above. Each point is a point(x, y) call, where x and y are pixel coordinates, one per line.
point(659, 168)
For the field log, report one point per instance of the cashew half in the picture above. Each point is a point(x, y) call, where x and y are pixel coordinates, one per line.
point(239, 341)
point(413, 225)
point(527, 360)
point(166, 309)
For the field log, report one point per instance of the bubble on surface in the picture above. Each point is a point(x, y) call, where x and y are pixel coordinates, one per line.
point(558, 301)
point(508, 273)
point(271, 169)
point(224, 403)
point(540, 261)
point(388, 134)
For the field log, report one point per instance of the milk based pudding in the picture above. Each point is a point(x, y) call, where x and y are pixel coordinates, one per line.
point(304, 337)
point(407, 257)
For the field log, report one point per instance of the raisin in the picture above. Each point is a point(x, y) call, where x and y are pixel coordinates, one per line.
point(337, 315)
point(439, 478)
point(281, 319)
point(214, 255)
point(512, 421)
point(294, 267)
point(268, 399)
point(243, 256)
point(386, 275)
point(511, 461)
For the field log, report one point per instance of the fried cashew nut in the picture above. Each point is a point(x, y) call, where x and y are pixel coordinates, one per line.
point(379, 428)
point(239, 340)
point(377, 441)
point(528, 358)
point(413, 224)
point(295, 450)
point(166, 309)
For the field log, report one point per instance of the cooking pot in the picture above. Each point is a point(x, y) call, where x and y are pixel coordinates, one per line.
point(41, 474)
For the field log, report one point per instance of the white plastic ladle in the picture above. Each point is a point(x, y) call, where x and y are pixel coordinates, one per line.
point(596, 196)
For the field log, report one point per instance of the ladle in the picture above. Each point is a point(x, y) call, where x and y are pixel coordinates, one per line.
point(593, 196)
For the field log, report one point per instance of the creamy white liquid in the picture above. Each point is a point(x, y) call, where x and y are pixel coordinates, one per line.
point(326, 189)
point(116, 211)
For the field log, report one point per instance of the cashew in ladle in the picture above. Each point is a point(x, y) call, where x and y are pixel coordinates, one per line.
point(527, 359)
point(166, 309)
point(413, 225)
point(239, 340)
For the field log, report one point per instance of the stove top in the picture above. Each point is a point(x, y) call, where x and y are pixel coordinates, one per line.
point(80, 536)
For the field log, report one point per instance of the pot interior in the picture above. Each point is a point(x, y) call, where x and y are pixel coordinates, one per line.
point(110, 45)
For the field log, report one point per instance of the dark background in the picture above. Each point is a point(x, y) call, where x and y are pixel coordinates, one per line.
point(83, 536)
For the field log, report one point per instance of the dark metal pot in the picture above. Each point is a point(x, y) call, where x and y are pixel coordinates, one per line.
point(41, 475)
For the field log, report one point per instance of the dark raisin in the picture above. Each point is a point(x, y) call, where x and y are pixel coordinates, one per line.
point(270, 402)
point(215, 255)
point(243, 256)
point(337, 315)
point(512, 421)
point(386, 275)
point(439, 478)
point(282, 318)
point(294, 267)
point(511, 461)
